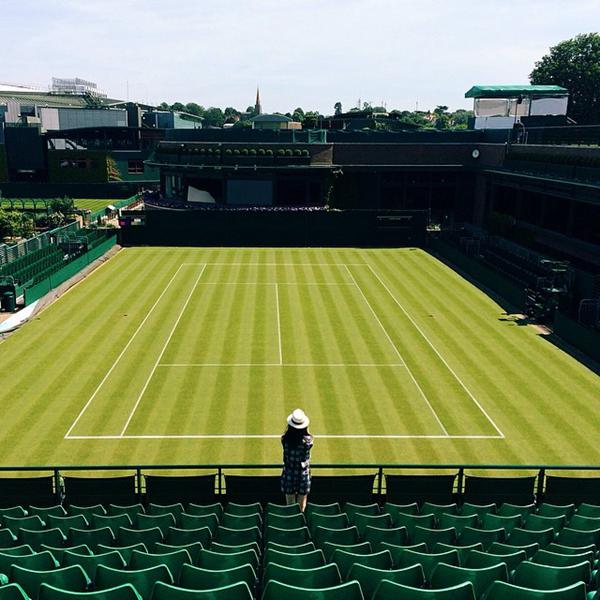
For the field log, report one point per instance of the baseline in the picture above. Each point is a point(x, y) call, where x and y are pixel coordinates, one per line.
point(243, 436)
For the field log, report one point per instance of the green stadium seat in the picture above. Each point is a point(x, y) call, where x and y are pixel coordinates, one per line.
point(42, 561)
point(59, 552)
point(508, 510)
point(575, 537)
point(163, 522)
point(12, 511)
point(381, 521)
point(559, 549)
point(91, 537)
point(298, 549)
point(429, 508)
point(582, 523)
point(87, 511)
point(173, 560)
point(187, 521)
point(484, 560)
point(196, 578)
point(288, 537)
point(91, 563)
point(7, 538)
point(283, 510)
point(363, 509)
point(43, 512)
point(227, 549)
point(445, 576)
point(286, 521)
point(315, 578)
point(536, 522)
point(131, 510)
point(424, 535)
point(32, 523)
point(12, 591)
point(236, 591)
point(370, 578)
point(471, 535)
point(426, 560)
point(148, 537)
point(205, 509)
point(124, 551)
point(544, 577)
point(463, 551)
point(346, 536)
point(499, 590)
point(478, 509)
point(412, 521)
point(345, 591)
point(72, 578)
point(523, 537)
point(112, 521)
point(307, 560)
point(49, 537)
point(121, 592)
point(214, 561)
point(389, 590)
point(556, 510)
point(192, 549)
point(375, 536)
point(499, 548)
point(142, 580)
point(360, 548)
point(337, 521)
point(378, 560)
point(240, 521)
point(225, 535)
point(163, 509)
point(458, 522)
point(491, 521)
point(182, 537)
point(396, 550)
point(66, 523)
point(588, 510)
point(22, 550)
point(322, 509)
point(553, 559)
point(243, 509)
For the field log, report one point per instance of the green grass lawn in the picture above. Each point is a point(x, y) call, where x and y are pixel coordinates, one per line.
point(190, 355)
point(92, 204)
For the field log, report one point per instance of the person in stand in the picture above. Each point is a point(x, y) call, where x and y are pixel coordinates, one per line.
point(297, 443)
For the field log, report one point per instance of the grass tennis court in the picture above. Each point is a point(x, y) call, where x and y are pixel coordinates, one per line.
point(92, 204)
point(187, 355)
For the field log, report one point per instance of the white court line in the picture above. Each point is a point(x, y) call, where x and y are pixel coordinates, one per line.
point(460, 381)
point(217, 365)
point(139, 398)
point(87, 404)
point(278, 324)
point(276, 283)
point(272, 264)
point(244, 436)
point(400, 356)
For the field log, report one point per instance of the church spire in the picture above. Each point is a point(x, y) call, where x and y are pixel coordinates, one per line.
point(257, 106)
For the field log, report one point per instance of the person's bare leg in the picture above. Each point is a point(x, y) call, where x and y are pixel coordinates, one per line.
point(290, 499)
point(302, 500)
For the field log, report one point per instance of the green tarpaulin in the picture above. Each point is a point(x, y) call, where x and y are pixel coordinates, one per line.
point(512, 91)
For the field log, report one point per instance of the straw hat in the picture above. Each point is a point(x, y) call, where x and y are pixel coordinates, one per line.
point(298, 420)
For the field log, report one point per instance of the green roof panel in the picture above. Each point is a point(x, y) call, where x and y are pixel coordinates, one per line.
point(512, 91)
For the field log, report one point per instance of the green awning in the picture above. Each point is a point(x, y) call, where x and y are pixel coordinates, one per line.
point(512, 91)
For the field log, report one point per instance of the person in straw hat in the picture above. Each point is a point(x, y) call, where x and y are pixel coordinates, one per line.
point(297, 443)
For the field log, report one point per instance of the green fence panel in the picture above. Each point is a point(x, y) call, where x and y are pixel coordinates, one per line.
point(585, 339)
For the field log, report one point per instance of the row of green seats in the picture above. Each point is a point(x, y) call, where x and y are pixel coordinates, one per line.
point(26, 260)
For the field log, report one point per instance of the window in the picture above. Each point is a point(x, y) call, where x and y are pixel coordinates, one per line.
point(135, 166)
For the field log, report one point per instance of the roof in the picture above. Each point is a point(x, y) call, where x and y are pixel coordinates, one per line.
point(510, 91)
point(271, 119)
point(42, 99)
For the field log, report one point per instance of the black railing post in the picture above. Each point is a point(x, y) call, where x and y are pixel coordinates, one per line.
point(57, 486)
point(460, 483)
point(138, 478)
point(540, 485)
point(219, 482)
point(380, 482)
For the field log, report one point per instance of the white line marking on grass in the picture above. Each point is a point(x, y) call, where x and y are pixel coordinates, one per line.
point(460, 381)
point(278, 324)
point(276, 283)
point(272, 264)
point(399, 355)
point(112, 368)
point(183, 365)
point(139, 398)
point(218, 436)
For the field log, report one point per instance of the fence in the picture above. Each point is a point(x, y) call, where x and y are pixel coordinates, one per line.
point(118, 204)
point(8, 253)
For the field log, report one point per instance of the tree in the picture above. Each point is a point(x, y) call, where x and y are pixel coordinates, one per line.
point(164, 106)
point(214, 117)
point(64, 205)
point(337, 107)
point(575, 65)
point(194, 109)
point(442, 118)
point(178, 106)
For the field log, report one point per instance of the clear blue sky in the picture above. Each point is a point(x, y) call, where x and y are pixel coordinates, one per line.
point(308, 53)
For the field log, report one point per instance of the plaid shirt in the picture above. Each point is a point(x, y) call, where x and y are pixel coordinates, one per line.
point(295, 478)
